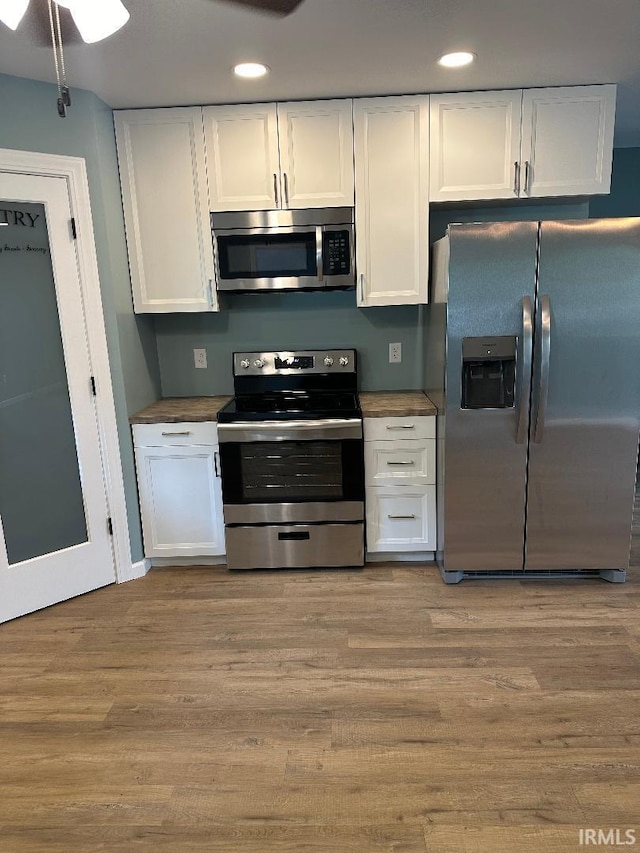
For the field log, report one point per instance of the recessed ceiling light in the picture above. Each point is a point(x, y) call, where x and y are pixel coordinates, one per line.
point(456, 60)
point(250, 69)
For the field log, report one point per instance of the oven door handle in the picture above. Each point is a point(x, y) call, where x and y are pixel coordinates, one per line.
point(311, 430)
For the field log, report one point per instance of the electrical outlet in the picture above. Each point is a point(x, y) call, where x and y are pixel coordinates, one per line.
point(200, 358)
point(395, 353)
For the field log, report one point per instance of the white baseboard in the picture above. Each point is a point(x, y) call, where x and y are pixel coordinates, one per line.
point(400, 556)
point(160, 562)
point(136, 570)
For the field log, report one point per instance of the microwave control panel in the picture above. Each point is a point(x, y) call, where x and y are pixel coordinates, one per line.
point(336, 251)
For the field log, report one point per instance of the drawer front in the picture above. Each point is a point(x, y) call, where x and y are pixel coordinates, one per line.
point(400, 462)
point(172, 435)
point(401, 518)
point(392, 429)
point(295, 546)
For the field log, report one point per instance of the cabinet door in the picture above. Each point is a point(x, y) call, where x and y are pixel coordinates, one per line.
point(316, 153)
point(401, 518)
point(392, 199)
point(475, 145)
point(242, 157)
point(180, 501)
point(166, 210)
point(567, 140)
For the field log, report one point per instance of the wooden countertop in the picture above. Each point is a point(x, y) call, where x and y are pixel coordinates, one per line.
point(374, 404)
point(402, 404)
point(173, 410)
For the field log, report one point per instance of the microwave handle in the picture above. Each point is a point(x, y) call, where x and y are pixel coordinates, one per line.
point(319, 259)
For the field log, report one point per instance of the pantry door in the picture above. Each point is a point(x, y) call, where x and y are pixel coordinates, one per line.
point(54, 538)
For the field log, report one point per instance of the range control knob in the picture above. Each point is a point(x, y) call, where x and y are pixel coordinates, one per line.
point(259, 362)
point(328, 361)
point(344, 361)
point(245, 363)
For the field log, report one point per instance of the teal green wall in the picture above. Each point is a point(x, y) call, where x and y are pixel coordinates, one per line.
point(271, 321)
point(30, 123)
point(624, 199)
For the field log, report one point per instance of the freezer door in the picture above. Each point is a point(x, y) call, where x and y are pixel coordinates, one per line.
point(491, 289)
point(586, 401)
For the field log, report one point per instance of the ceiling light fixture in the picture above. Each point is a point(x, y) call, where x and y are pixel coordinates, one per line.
point(250, 69)
point(12, 11)
point(95, 20)
point(456, 60)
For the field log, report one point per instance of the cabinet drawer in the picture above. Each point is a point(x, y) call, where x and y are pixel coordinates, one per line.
point(391, 429)
point(401, 518)
point(185, 433)
point(400, 462)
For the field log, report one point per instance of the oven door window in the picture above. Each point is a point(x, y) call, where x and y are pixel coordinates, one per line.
point(267, 255)
point(292, 471)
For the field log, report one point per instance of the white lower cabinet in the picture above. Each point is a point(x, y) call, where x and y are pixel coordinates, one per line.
point(180, 489)
point(400, 480)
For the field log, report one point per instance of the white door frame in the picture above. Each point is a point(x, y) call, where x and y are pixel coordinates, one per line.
point(74, 171)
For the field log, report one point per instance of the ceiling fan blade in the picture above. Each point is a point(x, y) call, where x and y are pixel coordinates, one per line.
point(36, 25)
point(272, 7)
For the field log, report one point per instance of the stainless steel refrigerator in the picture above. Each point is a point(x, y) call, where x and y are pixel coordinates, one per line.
point(533, 359)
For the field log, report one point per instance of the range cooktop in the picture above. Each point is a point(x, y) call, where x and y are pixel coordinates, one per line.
point(290, 405)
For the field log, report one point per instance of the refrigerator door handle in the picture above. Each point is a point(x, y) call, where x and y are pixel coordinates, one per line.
point(545, 354)
point(525, 384)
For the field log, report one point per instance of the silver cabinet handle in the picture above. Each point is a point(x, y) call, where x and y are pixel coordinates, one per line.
point(516, 179)
point(185, 432)
point(525, 382)
point(545, 355)
point(215, 462)
point(402, 426)
point(527, 173)
point(361, 287)
point(210, 290)
point(400, 516)
point(286, 189)
point(275, 189)
point(319, 259)
point(411, 462)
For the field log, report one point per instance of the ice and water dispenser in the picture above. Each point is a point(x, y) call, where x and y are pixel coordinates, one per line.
point(488, 372)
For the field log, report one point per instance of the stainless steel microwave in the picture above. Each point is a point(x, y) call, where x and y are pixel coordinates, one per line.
point(310, 249)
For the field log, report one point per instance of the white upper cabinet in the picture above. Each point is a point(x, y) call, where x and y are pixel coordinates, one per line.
point(475, 145)
point(316, 153)
point(392, 199)
point(530, 143)
point(164, 194)
point(290, 155)
point(567, 140)
point(243, 163)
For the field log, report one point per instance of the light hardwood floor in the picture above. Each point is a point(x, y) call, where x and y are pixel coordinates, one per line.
point(334, 711)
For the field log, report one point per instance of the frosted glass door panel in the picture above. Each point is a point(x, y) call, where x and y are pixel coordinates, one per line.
point(41, 501)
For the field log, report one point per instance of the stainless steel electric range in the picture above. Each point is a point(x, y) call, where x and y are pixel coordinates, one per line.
point(291, 450)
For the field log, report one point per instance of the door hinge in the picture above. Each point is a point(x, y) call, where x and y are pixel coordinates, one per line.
point(93, 386)
point(110, 526)
point(73, 228)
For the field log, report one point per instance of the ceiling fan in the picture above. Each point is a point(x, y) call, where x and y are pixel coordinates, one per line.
point(51, 21)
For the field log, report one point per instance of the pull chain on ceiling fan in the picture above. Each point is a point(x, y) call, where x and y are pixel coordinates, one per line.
point(94, 19)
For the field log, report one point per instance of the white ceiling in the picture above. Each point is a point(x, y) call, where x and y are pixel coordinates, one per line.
point(178, 52)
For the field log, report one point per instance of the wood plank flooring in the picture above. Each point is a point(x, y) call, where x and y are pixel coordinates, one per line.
point(338, 711)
